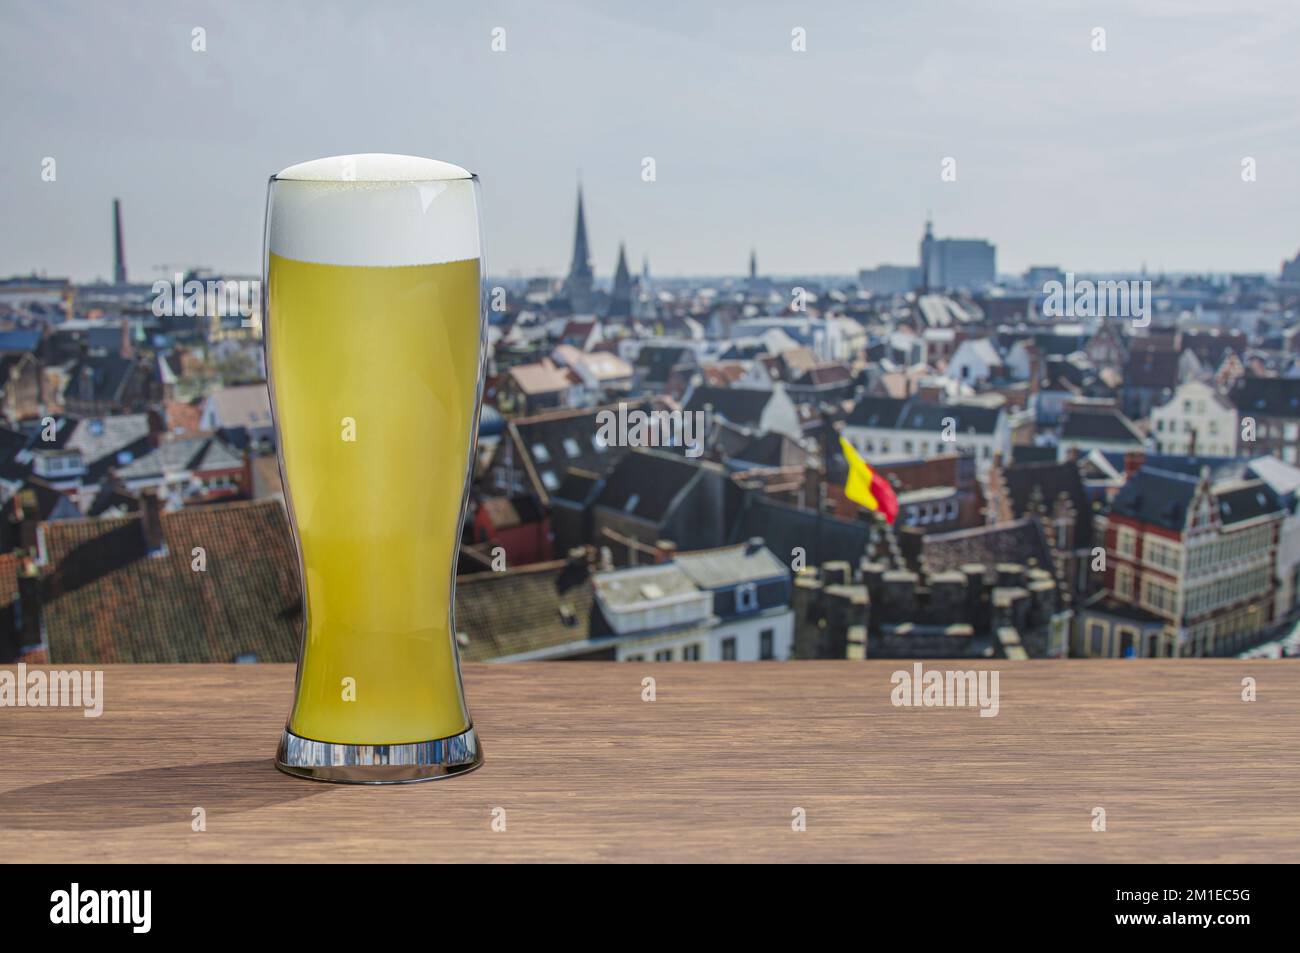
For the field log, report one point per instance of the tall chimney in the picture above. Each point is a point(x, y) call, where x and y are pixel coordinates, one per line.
point(30, 604)
point(151, 522)
point(119, 253)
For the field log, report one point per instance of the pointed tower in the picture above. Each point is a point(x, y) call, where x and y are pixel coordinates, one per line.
point(578, 286)
point(643, 302)
point(753, 266)
point(119, 253)
point(927, 250)
point(620, 297)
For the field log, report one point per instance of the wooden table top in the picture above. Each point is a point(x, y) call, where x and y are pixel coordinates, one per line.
point(713, 769)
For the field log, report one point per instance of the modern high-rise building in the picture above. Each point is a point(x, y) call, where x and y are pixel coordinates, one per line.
point(956, 263)
point(579, 284)
point(889, 279)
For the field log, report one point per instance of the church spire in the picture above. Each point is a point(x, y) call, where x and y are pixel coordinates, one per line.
point(578, 285)
point(620, 297)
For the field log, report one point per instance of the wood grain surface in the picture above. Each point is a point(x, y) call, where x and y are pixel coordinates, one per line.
point(712, 770)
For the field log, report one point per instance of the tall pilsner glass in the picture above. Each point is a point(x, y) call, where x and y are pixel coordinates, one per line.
point(375, 337)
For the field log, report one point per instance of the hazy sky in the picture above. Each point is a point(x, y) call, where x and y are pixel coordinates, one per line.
point(825, 160)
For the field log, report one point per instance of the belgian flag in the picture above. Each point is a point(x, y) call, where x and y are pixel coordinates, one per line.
point(866, 487)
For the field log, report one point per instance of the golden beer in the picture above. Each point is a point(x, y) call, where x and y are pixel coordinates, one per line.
point(375, 340)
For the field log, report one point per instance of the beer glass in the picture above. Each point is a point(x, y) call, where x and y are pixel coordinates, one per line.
point(375, 333)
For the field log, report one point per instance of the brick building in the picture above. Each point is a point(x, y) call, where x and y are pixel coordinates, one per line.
point(1195, 554)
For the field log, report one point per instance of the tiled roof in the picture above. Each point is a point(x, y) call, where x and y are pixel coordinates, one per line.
point(106, 600)
point(729, 565)
point(183, 416)
point(544, 377)
point(197, 454)
point(248, 405)
point(505, 613)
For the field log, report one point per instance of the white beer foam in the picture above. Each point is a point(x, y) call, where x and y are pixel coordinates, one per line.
point(374, 210)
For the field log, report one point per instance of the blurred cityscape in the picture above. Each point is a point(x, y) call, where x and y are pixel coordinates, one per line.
point(1085, 465)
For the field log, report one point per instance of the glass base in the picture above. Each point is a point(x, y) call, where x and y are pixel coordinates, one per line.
point(379, 764)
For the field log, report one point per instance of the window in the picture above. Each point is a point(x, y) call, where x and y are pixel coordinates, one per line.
point(729, 649)
point(598, 442)
point(746, 597)
point(635, 658)
point(571, 447)
point(549, 480)
point(690, 653)
point(1096, 637)
point(765, 644)
point(1124, 582)
point(664, 655)
point(540, 453)
point(1126, 542)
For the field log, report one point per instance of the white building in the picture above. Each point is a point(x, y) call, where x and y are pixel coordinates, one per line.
point(715, 605)
point(886, 430)
point(975, 361)
point(1197, 420)
point(1284, 480)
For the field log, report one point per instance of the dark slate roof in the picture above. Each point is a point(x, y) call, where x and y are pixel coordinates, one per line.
point(920, 415)
point(656, 362)
point(1212, 347)
point(1015, 542)
point(1110, 426)
point(1247, 500)
point(1152, 368)
point(917, 414)
point(1105, 604)
point(107, 373)
point(20, 339)
point(12, 442)
point(739, 405)
point(553, 431)
point(536, 607)
point(771, 450)
point(785, 528)
point(1268, 396)
point(645, 483)
point(107, 601)
point(1031, 454)
point(1221, 468)
point(875, 412)
point(578, 486)
point(1156, 496)
point(1051, 480)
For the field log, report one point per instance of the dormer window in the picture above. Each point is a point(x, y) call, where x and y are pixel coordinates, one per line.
point(746, 597)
